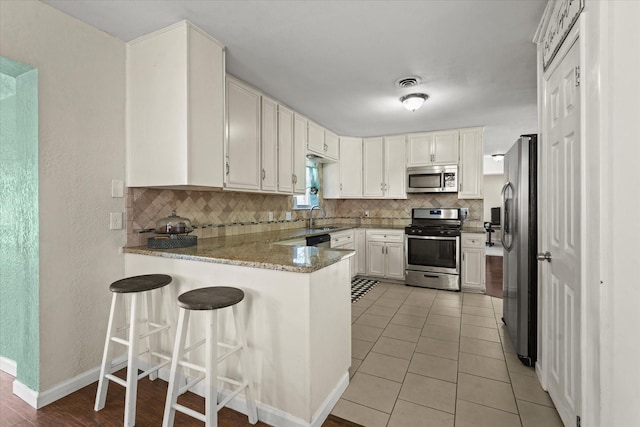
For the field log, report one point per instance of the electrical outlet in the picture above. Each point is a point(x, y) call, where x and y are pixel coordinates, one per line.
point(366, 214)
point(288, 216)
point(270, 216)
point(115, 221)
point(464, 212)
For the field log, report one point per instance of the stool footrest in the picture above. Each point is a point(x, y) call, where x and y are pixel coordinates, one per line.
point(153, 369)
point(116, 380)
point(232, 382)
point(120, 341)
point(190, 384)
point(230, 396)
point(191, 366)
point(161, 355)
point(154, 331)
point(229, 353)
point(194, 346)
point(190, 412)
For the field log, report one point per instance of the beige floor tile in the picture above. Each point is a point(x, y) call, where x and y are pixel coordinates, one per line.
point(401, 332)
point(354, 318)
point(473, 415)
point(423, 291)
point(534, 415)
point(357, 310)
point(365, 333)
point(413, 310)
point(419, 301)
point(443, 302)
point(407, 414)
point(445, 333)
point(484, 391)
point(479, 332)
point(515, 365)
point(430, 392)
point(381, 310)
point(359, 348)
point(372, 391)
point(449, 295)
point(438, 319)
point(395, 294)
point(362, 303)
point(485, 322)
point(355, 363)
point(476, 300)
point(483, 367)
point(434, 367)
point(409, 320)
point(383, 366)
point(481, 348)
point(369, 297)
point(478, 311)
point(445, 311)
point(529, 389)
point(360, 414)
point(374, 320)
point(507, 347)
point(388, 302)
point(394, 347)
point(440, 348)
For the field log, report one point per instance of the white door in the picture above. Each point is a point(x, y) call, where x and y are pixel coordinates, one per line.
point(560, 205)
point(395, 260)
point(285, 150)
point(375, 258)
point(445, 148)
point(351, 167)
point(269, 141)
point(299, 154)
point(395, 170)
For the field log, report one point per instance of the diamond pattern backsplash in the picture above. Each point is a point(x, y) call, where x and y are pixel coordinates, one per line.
point(219, 213)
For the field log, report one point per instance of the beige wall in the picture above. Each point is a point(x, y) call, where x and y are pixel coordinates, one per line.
point(81, 149)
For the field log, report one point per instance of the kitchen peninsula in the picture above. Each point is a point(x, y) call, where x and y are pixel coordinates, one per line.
point(297, 315)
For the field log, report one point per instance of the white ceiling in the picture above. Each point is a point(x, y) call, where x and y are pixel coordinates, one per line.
point(336, 61)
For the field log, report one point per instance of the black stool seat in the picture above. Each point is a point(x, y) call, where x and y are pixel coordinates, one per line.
point(142, 283)
point(211, 298)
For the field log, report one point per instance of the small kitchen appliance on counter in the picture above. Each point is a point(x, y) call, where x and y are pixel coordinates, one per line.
point(174, 231)
point(432, 248)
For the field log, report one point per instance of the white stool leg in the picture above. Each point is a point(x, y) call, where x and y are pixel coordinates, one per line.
point(211, 367)
point(174, 383)
point(105, 368)
point(238, 316)
point(132, 365)
point(152, 340)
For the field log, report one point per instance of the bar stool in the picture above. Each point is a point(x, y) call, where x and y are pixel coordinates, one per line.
point(211, 299)
point(137, 286)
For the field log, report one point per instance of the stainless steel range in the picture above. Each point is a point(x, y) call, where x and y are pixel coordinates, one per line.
point(432, 248)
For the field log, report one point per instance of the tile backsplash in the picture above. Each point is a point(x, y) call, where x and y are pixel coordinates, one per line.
point(219, 213)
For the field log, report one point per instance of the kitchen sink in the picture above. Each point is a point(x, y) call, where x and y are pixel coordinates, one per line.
point(317, 229)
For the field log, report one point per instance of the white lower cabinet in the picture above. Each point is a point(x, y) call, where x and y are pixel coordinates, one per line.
point(385, 253)
point(361, 251)
point(473, 263)
point(345, 240)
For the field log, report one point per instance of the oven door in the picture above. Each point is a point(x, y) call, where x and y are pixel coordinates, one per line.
point(433, 253)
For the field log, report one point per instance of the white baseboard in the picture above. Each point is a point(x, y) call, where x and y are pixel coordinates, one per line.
point(9, 366)
point(331, 400)
point(38, 400)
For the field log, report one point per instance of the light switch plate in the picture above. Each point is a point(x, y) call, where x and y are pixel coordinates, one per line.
point(288, 216)
point(115, 221)
point(117, 188)
point(270, 216)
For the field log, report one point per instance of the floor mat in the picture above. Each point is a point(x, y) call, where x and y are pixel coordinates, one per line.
point(360, 287)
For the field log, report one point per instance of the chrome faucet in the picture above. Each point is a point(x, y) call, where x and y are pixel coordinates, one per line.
point(311, 214)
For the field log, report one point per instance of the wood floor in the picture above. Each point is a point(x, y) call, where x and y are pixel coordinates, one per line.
point(76, 409)
point(493, 281)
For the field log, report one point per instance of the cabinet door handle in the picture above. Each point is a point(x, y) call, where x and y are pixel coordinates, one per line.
point(463, 256)
point(340, 186)
point(227, 167)
point(264, 174)
point(293, 178)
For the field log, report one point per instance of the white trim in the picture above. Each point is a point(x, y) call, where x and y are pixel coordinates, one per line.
point(38, 400)
point(9, 366)
point(325, 409)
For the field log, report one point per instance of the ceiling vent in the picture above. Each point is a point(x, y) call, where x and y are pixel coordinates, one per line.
point(408, 82)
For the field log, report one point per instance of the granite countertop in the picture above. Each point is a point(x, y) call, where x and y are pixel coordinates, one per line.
point(258, 250)
point(472, 229)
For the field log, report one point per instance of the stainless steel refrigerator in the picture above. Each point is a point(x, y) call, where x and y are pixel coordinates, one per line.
point(519, 239)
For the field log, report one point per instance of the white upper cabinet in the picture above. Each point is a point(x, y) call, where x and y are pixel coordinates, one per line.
point(332, 145)
point(315, 141)
point(384, 167)
point(299, 154)
point(269, 144)
point(344, 179)
point(175, 109)
point(373, 167)
point(433, 148)
point(243, 171)
point(285, 150)
point(395, 170)
point(470, 176)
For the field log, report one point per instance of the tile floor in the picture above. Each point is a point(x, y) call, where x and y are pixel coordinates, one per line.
point(422, 357)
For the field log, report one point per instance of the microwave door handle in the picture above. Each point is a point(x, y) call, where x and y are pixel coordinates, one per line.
point(506, 216)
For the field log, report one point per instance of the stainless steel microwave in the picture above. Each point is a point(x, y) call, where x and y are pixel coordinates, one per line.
point(432, 179)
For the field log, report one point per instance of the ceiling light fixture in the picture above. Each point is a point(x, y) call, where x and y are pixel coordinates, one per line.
point(497, 157)
point(413, 101)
